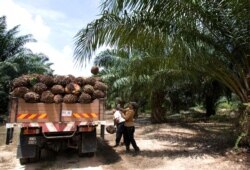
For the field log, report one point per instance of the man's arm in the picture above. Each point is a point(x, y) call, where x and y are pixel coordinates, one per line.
point(123, 110)
point(127, 115)
point(116, 117)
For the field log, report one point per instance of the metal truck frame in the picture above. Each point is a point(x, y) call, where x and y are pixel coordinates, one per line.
point(54, 126)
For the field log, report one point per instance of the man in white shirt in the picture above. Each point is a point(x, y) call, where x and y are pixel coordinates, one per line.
point(119, 122)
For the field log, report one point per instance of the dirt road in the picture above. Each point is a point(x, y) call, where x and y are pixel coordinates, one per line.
point(163, 146)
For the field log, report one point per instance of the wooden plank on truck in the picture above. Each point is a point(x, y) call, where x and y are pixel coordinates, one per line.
point(81, 112)
point(37, 112)
point(101, 109)
point(13, 110)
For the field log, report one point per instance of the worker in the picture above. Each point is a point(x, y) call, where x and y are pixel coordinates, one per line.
point(119, 123)
point(129, 126)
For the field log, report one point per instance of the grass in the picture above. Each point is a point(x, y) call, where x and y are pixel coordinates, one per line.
point(224, 103)
point(197, 113)
point(224, 111)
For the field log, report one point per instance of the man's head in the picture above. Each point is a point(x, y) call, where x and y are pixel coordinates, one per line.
point(133, 105)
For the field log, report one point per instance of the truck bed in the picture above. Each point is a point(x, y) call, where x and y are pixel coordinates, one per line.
point(55, 117)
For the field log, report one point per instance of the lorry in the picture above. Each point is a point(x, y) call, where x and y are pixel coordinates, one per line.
point(55, 127)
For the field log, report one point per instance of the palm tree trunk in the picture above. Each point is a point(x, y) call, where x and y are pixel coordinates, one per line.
point(158, 112)
point(211, 96)
point(210, 105)
point(243, 126)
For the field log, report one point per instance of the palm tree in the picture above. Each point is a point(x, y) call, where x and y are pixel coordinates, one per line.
point(16, 60)
point(119, 66)
point(212, 39)
point(10, 43)
point(28, 62)
point(22, 63)
point(211, 35)
point(116, 72)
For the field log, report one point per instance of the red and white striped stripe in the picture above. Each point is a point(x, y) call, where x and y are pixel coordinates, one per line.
point(57, 127)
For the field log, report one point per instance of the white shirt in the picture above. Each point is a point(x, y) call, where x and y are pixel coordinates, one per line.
point(117, 115)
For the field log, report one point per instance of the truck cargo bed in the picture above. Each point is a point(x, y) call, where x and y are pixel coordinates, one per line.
point(55, 117)
point(20, 111)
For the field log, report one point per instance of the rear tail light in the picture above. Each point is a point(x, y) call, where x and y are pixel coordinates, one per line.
point(27, 131)
point(86, 128)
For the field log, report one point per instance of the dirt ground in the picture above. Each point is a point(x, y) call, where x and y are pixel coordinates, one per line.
point(166, 146)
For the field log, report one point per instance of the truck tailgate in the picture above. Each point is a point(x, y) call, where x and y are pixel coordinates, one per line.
point(22, 112)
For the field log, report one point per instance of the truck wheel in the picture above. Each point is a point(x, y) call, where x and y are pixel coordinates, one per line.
point(24, 161)
point(91, 154)
point(80, 146)
point(37, 156)
point(80, 153)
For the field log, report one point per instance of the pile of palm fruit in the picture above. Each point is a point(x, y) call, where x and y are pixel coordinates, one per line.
point(35, 88)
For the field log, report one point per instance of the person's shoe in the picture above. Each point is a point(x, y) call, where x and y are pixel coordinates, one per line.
point(127, 150)
point(137, 150)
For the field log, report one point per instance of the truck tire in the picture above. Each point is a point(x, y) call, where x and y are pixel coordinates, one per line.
point(91, 154)
point(80, 153)
point(37, 156)
point(24, 161)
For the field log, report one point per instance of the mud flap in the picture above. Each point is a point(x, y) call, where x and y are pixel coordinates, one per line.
point(102, 131)
point(9, 135)
point(87, 142)
point(28, 147)
point(26, 151)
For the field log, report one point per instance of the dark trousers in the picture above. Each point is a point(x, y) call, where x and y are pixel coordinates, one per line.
point(119, 132)
point(129, 137)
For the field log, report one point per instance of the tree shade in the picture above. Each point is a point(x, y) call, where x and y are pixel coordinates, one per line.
point(204, 37)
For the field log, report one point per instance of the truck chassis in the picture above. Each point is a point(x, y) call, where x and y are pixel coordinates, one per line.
point(55, 127)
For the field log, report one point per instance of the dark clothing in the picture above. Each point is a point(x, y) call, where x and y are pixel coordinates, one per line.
point(129, 129)
point(119, 132)
point(129, 137)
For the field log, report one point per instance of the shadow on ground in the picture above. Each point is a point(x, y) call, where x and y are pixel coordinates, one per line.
point(107, 153)
point(69, 159)
point(196, 139)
